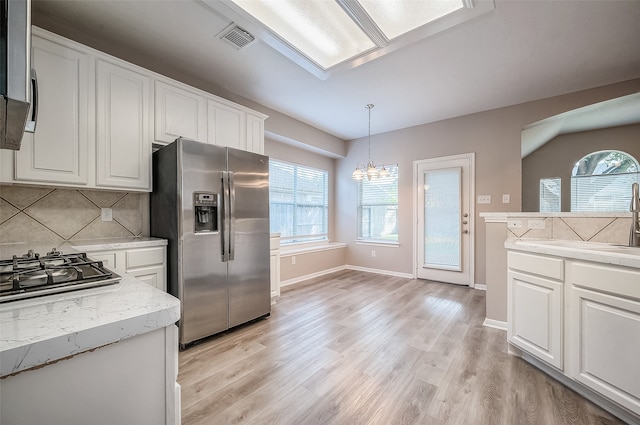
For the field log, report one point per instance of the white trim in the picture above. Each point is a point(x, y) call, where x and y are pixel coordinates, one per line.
point(480, 286)
point(286, 251)
point(497, 324)
point(379, 271)
point(375, 243)
point(311, 276)
point(472, 210)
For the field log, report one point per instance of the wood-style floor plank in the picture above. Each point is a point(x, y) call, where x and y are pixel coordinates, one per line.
point(358, 348)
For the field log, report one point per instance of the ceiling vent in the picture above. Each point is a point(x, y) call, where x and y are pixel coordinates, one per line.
point(237, 37)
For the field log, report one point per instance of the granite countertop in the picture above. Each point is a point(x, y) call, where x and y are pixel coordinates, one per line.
point(580, 250)
point(42, 330)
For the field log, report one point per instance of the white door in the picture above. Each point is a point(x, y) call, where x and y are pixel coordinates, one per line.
point(444, 212)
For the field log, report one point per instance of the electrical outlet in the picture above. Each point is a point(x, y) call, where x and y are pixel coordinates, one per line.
point(506, 198)
point(106, 214)
point(293, 259)
point(535, 224)
point(373, 253)
point(514, 224)
point(484, 199)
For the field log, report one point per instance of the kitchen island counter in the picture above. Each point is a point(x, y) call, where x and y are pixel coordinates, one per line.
point(43, 330)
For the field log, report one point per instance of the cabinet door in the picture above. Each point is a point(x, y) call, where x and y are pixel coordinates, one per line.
point(58, 151)
point(123, 129)
point(153, 276)
point(604, 331)
point(534, 316)
point(226, 126)
point(255, 134)
point(179, 113)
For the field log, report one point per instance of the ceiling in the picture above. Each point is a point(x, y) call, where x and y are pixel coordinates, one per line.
point(518, 52)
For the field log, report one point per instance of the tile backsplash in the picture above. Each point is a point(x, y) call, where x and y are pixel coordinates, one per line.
point(593, 229)
point(57, 214)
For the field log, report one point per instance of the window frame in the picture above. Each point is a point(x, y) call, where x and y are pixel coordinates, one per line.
point(360, 238)
point(599, 183)
point(295, 238)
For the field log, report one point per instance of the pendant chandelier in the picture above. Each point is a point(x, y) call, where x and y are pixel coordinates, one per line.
point(370, 171)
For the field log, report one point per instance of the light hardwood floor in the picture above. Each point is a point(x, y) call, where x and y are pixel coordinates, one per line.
point(358, 348)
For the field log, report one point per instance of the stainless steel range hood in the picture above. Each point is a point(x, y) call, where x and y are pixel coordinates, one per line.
point(17, 81)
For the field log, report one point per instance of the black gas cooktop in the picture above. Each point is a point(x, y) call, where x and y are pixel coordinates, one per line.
point(32, 275)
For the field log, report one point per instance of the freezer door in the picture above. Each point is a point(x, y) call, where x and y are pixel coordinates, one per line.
point(249, 286)
point(204, 291)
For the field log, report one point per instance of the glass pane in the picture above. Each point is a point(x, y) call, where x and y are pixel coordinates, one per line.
point(550, 191)
point(442, 212)
point(319, 29)
point(399, 17)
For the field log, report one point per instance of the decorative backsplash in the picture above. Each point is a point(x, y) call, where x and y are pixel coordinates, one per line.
point(593, 229)
point(55, 215)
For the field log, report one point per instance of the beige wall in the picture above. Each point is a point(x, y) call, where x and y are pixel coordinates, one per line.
point(495, 138)
point(310, 263)
point(557, 158)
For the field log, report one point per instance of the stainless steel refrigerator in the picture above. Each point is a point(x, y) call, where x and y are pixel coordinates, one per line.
point(212, 204)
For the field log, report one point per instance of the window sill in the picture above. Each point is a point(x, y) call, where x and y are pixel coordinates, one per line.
point(290, 250)
point(379, 243)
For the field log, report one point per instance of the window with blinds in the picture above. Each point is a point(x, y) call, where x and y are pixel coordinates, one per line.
point(601, 181)
point(378, 208)
point(550, 191)
point(298, 202)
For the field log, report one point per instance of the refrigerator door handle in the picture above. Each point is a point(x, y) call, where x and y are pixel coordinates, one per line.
point(224, 237)
point(232, 217)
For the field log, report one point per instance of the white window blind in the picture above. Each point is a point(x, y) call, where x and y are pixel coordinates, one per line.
point(550, 191)
point(378, 208)
point(608, 192)
point(601, 181)
point(298, 202)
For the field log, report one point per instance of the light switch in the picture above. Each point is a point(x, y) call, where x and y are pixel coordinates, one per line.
point(506, 198)
point(484, 199)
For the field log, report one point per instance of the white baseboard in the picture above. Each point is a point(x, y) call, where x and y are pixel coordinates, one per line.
point(480, 286)
point(378, 271)
point(310, 276)
point(495, 324)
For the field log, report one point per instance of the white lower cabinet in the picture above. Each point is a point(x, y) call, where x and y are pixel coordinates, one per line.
point(535, 307)
point(146, 264)
point(582, 318)
point(605, 331)
point(275, 265)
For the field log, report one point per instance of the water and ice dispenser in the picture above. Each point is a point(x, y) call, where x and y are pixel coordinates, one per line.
point(205, 208)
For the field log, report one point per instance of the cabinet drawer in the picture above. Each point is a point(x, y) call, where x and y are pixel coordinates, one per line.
point(145, 257)
point(616, 280)
point(108, 259)
point(536, 264)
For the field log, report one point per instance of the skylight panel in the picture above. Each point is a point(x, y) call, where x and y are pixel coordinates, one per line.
point(397, 17)
point(321, 30)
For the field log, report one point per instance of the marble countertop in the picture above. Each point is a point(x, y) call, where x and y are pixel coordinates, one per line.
point(7, 250)
point(588, 251)
point(42, 330)
point(91, 245)
point(504, 216)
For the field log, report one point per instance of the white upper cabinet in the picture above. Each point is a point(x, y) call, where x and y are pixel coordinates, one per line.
point(179, 113)
point(226, 126)
point(123, 127)
point(255, 133)
point(58, 151)
point(98, 117)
